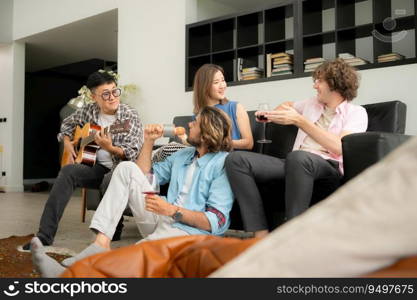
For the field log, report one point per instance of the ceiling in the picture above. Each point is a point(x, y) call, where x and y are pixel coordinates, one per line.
point(91, 38)
point(243, 5)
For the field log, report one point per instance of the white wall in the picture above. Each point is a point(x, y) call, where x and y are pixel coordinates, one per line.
point(6, 21)
point(151, 54)
point(6, 64)
point(12, 61)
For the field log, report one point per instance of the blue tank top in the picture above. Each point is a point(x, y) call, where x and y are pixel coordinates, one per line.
point(230, 109)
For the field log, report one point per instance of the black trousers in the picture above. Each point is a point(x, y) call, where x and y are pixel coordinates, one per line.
point(69, 178)
point(300, 169)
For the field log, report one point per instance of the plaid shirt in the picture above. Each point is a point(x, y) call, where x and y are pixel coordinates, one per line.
point(131, 142)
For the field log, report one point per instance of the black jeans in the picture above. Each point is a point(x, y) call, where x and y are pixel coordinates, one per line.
point(300, 169)
point(69, 178)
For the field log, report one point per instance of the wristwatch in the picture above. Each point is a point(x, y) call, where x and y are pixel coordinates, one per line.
point(177, 216)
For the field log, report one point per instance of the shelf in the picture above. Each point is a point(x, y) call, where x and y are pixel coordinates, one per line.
point(199, 40)
point(356, 32)
point(249, 46)
point(327, 33)
point(280, 46)
point(227, 61)
point(194, 64)
point(313, 15)
point(280, 41)
point(198, 56)
point(357, 41)
point(351, 13)
point(279, 24)
point(249, 29)
point(319, 45)
point(403, 23)
point(306, 29)
point(223, 51)
point(252, 57)
point(223, 35)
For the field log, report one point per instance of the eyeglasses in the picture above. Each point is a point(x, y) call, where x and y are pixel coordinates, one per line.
point(115, 92)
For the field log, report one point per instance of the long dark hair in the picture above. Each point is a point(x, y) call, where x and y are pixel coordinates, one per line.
point(203, 79)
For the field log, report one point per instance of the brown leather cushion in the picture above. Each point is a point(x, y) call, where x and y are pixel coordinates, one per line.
point(406, 267)
point(187, 256)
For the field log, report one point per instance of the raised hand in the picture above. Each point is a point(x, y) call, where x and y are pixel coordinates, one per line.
point(284, 104)
point(285, 115)
point(153, 132)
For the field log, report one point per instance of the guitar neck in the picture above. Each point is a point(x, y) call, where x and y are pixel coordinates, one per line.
point(89, 139)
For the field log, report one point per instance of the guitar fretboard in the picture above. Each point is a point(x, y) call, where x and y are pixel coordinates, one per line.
point(112, 128)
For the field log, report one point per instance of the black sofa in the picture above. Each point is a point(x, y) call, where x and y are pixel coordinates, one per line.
point(385, 132)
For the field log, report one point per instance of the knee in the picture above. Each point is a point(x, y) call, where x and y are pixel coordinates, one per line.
point(296, 159)
point(234, 160)
point(125, 166)
point(67, 171)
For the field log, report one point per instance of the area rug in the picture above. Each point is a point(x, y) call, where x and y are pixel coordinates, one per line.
point(16, 264)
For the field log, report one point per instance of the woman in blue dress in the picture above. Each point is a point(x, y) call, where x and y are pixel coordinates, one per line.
point(209, 90)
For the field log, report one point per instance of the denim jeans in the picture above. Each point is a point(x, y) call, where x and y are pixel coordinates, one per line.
point(69, 178)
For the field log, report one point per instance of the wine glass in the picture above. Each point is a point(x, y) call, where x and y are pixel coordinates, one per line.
point(263, 107)
point(153, 187)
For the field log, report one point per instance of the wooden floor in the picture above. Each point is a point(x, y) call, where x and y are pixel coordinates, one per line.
point(20, 214)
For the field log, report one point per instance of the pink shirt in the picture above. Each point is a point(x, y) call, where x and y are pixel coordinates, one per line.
point(348, 118)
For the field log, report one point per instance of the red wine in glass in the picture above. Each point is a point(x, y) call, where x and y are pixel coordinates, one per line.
point(150, 193)
point(262, 108)
point(153, 188)
point(262, 118)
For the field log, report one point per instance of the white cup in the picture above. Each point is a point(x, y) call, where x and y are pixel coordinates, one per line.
point(169, 130)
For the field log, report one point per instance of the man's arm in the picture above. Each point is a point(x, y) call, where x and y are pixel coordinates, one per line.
point(287, 115)
point(192, 218)
point(105, 142)
point(68, 125)
point(151, 133)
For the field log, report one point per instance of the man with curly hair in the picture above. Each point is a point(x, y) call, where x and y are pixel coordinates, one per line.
point(322, 122)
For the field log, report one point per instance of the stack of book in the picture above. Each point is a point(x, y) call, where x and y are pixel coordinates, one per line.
point(390, 57)
point(279, 64)
point(312, 63)
point(353, 60)
point(252, 73)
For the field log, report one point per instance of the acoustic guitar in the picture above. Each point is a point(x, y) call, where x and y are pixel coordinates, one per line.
point(84, 145)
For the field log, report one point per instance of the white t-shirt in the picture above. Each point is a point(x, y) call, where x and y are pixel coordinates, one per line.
point(183, 195)
point(103, 156)
point(324, 123)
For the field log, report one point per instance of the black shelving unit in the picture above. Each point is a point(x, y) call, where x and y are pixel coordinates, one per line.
point(307, 29)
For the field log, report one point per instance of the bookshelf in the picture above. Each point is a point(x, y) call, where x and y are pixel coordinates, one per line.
point(359, 30)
